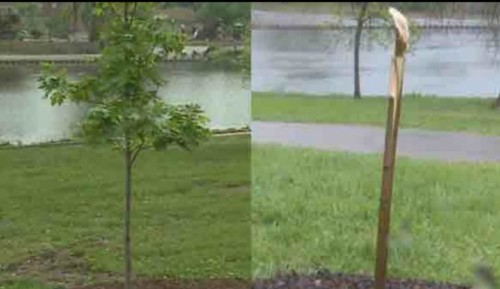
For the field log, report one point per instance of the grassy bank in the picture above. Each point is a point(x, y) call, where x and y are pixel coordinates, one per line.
point(451, 114)
point(301, 7)
point(319, 209)
point(62, 208)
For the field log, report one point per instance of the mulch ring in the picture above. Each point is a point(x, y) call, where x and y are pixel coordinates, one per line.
point(320, 280)
point(178, 284)
point(324, 279)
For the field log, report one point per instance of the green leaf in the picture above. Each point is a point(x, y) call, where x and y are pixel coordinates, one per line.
point(121, 94)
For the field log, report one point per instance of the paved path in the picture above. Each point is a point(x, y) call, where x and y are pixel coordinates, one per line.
point(65, 58)
point(356, 138)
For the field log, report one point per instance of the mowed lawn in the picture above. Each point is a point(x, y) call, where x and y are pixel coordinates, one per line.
point(473, 115)
point(190, 219)
point(314, 209)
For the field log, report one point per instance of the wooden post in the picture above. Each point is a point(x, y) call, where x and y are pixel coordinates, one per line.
point(393, 113)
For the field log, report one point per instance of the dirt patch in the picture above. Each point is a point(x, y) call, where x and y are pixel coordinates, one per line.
point(327, 280)
point(323, 279)
point(57, 268)
point(241, 188)
point(179, 284)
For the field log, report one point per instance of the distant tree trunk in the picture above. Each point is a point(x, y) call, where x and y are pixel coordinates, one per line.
point(357, 43)
point(497, 102)
point(128, 201)
point(93, 29)
point(93, 23)
point(75, 6)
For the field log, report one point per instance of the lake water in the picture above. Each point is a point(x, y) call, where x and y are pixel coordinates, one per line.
point(442, 63)
point(25, 117)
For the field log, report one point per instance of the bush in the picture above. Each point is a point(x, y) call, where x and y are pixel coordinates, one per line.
point(36, 33)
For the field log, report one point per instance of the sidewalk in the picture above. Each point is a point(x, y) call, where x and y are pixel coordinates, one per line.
point(447, 146)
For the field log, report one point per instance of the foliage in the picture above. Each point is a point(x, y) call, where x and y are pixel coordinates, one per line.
point(239, 59)
point(57, 25)
point(372, 15)
point(222, 15)
point(229, 13)
point(30, 15)
point(123, 93)
point(10, 24)
point(377, 15)
point(246, 55)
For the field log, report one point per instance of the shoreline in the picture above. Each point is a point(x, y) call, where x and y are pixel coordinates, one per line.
point(229, 132)
point(192, 53)
point(296, 20)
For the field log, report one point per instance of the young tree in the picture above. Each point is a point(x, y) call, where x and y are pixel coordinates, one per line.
point(125, 109)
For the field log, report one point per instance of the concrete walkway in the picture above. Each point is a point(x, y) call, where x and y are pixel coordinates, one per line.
point(192, 54)
point(415, 143)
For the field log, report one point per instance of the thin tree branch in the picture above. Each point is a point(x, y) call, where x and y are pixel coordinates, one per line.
point(138, 149)
point(125, 13)
point(114, 10)
point(132, 16)
point(135, 153)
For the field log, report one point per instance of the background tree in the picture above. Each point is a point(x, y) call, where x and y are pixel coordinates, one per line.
point(57, 25)
point(366, 14)
point(10, 23)
point(91, 21)
point(125, 109)
point(490, 11)
point(223, 14)
point(246, 54)
point(30, 17)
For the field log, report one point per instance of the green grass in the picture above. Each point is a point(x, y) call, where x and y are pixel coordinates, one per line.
point(319, 209)
point(449, 114)
point(190, 219)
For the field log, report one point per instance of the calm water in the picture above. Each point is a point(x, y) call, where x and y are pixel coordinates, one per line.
point(27, 118)
point(455, 63)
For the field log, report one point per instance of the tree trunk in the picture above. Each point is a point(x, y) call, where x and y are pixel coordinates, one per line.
point(357, 44)
point(93, 24)
point(75, 9)
point(92, 29)
point(128, 201)
point(497, 102)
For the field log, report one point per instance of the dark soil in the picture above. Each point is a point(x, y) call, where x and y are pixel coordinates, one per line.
point(69, 269)
point(327, 280)
point(321, 280)
point(179, 284)
point(56, 268)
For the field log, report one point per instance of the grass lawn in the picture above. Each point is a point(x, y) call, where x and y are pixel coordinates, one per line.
point(315, 209)
point(450, 114)
point(63, 207)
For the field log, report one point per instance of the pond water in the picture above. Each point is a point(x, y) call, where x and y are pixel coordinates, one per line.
point(25, 117)
point(442, 63)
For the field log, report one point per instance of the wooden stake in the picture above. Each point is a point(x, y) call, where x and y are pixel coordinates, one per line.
point(393, 114)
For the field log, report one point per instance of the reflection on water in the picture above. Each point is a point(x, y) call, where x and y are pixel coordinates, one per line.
point(27, 118)
point(443, 63)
